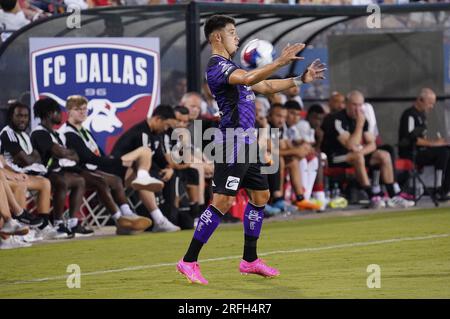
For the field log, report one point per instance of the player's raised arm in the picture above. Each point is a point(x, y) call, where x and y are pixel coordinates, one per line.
point(314, 71)
point(253, 77)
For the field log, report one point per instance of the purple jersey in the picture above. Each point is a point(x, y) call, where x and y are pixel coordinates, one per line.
point(236, 102)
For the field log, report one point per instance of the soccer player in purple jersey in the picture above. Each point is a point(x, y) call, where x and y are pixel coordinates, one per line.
point(233, 89)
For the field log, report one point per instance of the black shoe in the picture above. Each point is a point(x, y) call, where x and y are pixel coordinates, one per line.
point(64, 232)
point(29, 219)
point(81, 231)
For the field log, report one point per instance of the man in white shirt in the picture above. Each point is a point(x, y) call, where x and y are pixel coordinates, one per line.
point(11, 16)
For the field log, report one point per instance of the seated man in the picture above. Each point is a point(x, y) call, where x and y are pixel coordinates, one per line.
point(336, 102)
point(347, 142)
point(149, 133)
point(188, 172)
point(103, 173)
point(22, 158)
point(291, 155)
point(62, 169)
point(436, 152)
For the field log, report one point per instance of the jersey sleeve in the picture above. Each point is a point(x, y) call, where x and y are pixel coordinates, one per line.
point(167, 145)
point(219, 72)
point(10, 143)
point(340, 127)
point(84, 153)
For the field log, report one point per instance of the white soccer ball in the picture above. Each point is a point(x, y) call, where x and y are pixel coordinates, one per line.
point(257, 53)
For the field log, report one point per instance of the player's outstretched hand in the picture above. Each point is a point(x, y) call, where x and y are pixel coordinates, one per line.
point(314, 71)
point(289, 53)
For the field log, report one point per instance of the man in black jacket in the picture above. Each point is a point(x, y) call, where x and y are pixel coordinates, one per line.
point(412, 138)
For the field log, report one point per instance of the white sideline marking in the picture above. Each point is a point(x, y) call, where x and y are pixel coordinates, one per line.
point(301, 250)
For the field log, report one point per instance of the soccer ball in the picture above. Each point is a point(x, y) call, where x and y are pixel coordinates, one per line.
point(257, 53)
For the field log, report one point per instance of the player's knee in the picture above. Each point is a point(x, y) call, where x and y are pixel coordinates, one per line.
point(223, 202)
point(358, 159)
point(46, 185)
point(146, 152)
point(260, 198)
point(385, 157)
point(80, 182)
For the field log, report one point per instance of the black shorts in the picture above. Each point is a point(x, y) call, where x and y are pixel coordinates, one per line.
point(239, 171)
point(229, 178)
point(339, 160)
point(115, 167)
point(189, 176)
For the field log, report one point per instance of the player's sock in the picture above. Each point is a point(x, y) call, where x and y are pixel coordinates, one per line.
point(207, 224)
point(45, 218)
point(126, 210)
point(376, 181)
point(368, 191)
point(250, 248)
point(157, 216)
point(117, 215)
point(313, 166)
point(391, 191)
point(193, 251)
point(142, 173)
point(320, 195)
point(21, 212)
point(299, 198)
point(253, 220)
point(439, 173)
point(397, 188)
point(376, 189)
point(303, 167)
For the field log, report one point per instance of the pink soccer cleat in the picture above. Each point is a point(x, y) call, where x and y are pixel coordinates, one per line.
point(192, 272)
point(257, 267)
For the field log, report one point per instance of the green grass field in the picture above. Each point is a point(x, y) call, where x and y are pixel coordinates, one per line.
point(318, 258)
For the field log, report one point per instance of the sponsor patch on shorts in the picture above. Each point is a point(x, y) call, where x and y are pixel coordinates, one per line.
point(232, 183)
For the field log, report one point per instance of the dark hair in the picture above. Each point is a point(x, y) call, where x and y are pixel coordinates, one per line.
point(44, 107)
point(217, 22)
point(12, 106)
point(292, 105)
point(315, 108)
point(276, 105)
point(181, 109)
point(164, 112)
point(8, 5)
